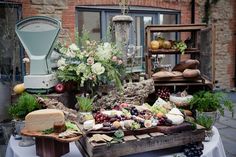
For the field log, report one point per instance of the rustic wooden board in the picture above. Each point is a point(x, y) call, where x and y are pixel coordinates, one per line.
point(52, 135)
point(141, 145)
point(164, 129)
point(173, 51)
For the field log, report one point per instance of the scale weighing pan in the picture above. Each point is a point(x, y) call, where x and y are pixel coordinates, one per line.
point(38, 35)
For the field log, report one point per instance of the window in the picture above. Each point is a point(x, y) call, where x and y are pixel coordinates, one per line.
point(90, 21)
point(98, 21)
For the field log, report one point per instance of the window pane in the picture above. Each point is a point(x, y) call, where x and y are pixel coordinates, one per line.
point(168, 19)
point(10, 62)
point(91, 22)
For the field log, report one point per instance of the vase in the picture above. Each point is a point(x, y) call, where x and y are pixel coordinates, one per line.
point(25, 140)
point(84, 116)
point(214, 115)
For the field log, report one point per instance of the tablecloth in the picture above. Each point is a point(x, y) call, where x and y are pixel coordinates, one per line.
point(214, 148)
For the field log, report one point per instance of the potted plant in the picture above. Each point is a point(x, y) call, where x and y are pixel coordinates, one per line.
point(85, 106)
point(26, 103)
point(206, 122)
point(210, 104)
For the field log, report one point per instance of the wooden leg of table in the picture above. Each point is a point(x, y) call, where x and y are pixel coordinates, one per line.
point(47, 147)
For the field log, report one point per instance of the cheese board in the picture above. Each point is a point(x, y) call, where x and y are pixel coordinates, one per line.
point(54, 136)
point(186, 126)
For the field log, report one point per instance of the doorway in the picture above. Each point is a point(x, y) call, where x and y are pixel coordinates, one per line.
point(11, 69)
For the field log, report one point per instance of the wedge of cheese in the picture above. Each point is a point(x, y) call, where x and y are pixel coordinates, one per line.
point(43, 119)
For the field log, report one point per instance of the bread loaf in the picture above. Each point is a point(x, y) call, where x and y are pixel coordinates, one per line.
point(43, 119)
point(163, 74)
point(188, 64)
point(191, 73)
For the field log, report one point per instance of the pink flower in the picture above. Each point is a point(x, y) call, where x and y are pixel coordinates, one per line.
point(90, 61)
point(120, 62)
point(114, 59)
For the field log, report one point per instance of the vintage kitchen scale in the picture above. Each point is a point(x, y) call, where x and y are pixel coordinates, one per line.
point(38, 35)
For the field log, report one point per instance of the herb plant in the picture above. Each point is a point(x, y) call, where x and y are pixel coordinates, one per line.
point(25, 104)
point(180, 46)
point(85, 104)
point(205, 121)
point(205, 101)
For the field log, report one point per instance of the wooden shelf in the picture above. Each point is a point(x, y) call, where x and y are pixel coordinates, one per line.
point(173, 51)
point(203, 82)
point(175, 28)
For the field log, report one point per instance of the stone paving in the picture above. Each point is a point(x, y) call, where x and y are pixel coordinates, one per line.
point(227, 129)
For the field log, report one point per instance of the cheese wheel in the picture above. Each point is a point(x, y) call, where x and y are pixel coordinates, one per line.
point(40, 120)
point(176, 119)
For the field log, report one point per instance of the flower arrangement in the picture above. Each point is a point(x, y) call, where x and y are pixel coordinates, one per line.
point(90, 62)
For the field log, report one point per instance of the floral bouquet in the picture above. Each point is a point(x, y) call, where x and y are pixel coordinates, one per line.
point(90, 63)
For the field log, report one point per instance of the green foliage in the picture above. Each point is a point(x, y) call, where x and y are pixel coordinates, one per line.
point(72, 126)
point(180, 46)
point(205, 101)
point(205, 121)
point(207, 8)
point(25, 104)
point(85, 104)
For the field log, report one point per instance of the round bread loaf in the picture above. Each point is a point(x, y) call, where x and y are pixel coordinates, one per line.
point(188, 64)
point(191, 73)
point(163, 74)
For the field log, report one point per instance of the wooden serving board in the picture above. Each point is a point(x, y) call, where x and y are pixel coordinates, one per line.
point(163, 129)
point(52, 135)
point(133, 144)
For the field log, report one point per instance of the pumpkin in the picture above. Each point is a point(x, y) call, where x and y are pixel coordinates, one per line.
point(154, 45)
point(161, 42)
point(166, 44)
point(19, 88)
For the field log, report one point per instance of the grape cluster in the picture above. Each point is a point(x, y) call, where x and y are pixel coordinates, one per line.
point(100, 118)
point(163, 93)
point(193, 150)
point(134, 111)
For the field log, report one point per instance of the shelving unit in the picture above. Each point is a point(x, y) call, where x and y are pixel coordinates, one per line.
point(194, 51)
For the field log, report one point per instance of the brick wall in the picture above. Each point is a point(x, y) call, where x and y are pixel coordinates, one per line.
point(65, 9)
point(222, 17)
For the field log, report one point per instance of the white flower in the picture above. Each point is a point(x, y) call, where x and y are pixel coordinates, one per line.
point(97, 68)
point(73, 47)
point(26, 60)
point(104, 51)
point(70, 53)
point(61, 68)
point(90, 61)
point(61, 62)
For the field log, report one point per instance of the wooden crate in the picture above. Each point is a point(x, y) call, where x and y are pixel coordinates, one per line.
point(139, 143)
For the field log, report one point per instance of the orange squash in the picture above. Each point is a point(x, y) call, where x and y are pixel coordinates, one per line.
point(154, 45)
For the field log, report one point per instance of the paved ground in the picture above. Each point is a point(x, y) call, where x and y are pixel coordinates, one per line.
point(226, 126)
